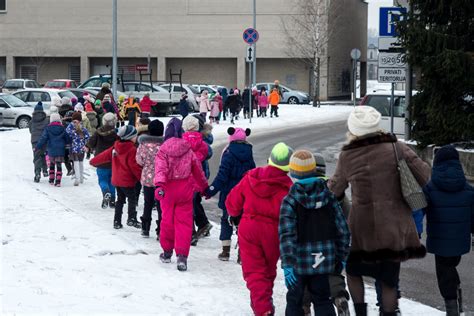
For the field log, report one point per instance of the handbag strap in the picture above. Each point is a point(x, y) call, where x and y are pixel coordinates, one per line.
point(396, 152)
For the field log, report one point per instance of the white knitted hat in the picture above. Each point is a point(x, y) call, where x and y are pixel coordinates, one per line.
point(364, 120)
point(190, 123)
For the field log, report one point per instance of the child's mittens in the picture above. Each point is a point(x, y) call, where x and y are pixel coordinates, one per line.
point(290, 278)
point(159, 193)
point(208, 192)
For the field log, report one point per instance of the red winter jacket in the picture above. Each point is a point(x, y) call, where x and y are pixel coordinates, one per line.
point(125, 170)
point(259, 194)
point(146, 103)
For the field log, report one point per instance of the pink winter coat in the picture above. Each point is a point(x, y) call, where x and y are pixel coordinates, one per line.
point(198, 145)
point(204, 105)
point(146, 153)
point(263, 101)
point(214, 108)
point(176, 161)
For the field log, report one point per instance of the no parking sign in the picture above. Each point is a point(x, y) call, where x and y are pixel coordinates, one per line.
point(250, 36)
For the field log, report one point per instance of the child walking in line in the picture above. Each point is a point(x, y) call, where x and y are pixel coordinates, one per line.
point(263, 103)
point(215, 111)
point(79, 137)
point(449, 223)
point(104, 138)
point(178, 174)
point(274, 100)
point(56, 139)
point(125, 173)
point(147, 149)
point(258, 198)
point(38, 123)
point(237, 159)
point(314, 237)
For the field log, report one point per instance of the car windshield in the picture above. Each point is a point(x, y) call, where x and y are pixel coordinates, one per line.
point(68, 94)
point(193, 90)
point(55, 84)
point(14, 101)
point(32, 84)
point(13, 84)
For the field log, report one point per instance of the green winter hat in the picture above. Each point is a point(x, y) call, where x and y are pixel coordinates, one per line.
point(98, 102)
point(280, 157)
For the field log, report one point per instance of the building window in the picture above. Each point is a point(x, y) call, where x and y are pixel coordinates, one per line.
point(3, 6)
point(29, 72)
point(75, 73)
point(371, 54)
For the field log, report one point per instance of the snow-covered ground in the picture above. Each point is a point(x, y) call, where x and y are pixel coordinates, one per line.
point(60, 253)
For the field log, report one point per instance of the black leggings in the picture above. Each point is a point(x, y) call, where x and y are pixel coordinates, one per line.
point(447, 275)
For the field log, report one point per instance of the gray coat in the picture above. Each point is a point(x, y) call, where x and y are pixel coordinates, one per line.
point(39, 121)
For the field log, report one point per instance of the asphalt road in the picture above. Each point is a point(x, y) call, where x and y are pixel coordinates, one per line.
point(418, 277)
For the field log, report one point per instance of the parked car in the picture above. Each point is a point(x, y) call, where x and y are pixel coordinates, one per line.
point(13, 85)
point(60, 84)
point(14, 112)
point(32, 96)
point(290, 96)
point(94, 91)
point(96, 81)
point(202, 87)
point(380, 100)
point(193, 93)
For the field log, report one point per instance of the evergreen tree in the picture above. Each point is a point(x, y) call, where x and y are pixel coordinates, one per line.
point(439, 38)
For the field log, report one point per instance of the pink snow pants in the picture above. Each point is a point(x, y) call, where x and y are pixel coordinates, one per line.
point(259, 251)
point(176, 226)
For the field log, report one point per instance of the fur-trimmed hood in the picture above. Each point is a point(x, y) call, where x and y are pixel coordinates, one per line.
point(150, 139)
point(370, 139)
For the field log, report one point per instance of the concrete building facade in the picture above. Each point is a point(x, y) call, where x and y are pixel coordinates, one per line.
point(51, 39)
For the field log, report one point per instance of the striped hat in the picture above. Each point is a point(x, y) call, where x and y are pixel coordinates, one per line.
point(127, 132)
point(280, 157)
point(302, 165)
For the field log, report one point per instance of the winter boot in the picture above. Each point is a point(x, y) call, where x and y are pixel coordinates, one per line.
point(37, 177)
point(182, 263)
point(239, 260)
point(360, 309)
point(51, 176)
point(461, 309)
point(204, 231)
point(117, 225)
point(452, 307)
point(342, 306)
point(194, 239)
point(146, 223)
point(77, 172)
point(225, 254)
point(106, 200)
point(134, 223)
point(112, 203)
point(45, 173)
point(165, 257)
point(81, 171)
point(59, 176)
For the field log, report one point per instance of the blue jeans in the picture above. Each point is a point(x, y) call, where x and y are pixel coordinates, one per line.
point(226, 229)
point(105, 181)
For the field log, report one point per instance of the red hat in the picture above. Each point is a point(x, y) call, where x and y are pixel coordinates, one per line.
point(89, 107)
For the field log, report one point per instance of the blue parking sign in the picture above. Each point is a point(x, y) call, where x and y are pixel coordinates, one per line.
point(388, 17)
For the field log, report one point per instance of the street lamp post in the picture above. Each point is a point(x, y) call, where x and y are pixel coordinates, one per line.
point(114, 49)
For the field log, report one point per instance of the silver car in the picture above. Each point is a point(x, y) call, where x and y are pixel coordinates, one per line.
point(290, 96)
point(12, 85)
point(46, 96)
point(14, 112)
point(192, 93)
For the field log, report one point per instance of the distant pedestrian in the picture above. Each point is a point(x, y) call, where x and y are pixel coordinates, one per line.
point(39, 121)
point(132, 110)
point(146, 105)
point(184, 105)
point(449, 223)
point(234, 104)
point(263, 103)
point(79, 137)
point(216, 105)
point(204, 105)
point(274, 100)
point(65, 106)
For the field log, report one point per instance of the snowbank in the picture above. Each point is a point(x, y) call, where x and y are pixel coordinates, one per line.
point(60, 253)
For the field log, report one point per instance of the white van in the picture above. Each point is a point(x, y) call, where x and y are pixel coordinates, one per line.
point(380, 100)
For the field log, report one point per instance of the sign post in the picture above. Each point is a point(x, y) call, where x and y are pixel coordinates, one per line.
point(250, 37)
point(392, 59)
point(355, 55)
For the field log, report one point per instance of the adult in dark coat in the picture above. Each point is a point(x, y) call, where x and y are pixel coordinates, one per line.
point(224, 95)
point(450, 223)
point(234, 104)
point(184, 105)
point(39, 121)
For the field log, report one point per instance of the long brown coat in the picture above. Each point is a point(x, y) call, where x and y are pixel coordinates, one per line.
point(380, 221)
